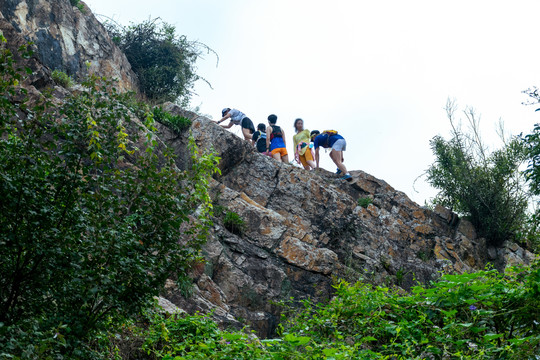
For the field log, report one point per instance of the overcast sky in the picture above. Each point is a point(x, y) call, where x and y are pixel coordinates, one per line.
point(379, 72)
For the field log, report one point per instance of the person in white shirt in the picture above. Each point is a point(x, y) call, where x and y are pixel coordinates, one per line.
point(237, 118)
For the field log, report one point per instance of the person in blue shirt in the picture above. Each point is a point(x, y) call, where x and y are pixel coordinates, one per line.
point(338, 145)
point(237, 118)
point(276, 144)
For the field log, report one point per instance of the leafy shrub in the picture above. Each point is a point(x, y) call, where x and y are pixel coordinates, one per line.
point(486, 187)
point(531, 142)
point(365, 202)
point(77, 4)
point(90, 224)
point(61, 78)
point(176, 123)
point(486, 315)
point(234, 223)
point(163, 61)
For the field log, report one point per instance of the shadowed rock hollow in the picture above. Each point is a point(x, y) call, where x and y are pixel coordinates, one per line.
point(305, 230)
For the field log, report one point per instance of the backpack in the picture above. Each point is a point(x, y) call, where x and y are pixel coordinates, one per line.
point(276, 132)
point(261, 142)
point(329, 133)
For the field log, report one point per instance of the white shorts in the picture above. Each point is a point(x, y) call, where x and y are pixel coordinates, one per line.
point(340, 145)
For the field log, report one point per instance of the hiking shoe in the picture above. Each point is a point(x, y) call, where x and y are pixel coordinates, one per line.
point(346, 177)
point(338, 172)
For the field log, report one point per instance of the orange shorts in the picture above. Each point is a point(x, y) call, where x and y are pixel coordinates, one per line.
point(281, 151)
point(306, 157)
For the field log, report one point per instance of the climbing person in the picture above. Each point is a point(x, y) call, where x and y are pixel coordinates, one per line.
point(302, 152)
point(237, 118)
point(331, 139)
point(259, 138)
point(275, 140)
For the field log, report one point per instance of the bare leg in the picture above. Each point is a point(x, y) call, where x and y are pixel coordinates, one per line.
point(277, 156)
point(247, 134)
point(305, 163)
point(285, 159)
point(336, 156)
point(311, 163)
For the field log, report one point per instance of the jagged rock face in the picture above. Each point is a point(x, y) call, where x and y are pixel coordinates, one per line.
point(65, 38)
point(305, 229)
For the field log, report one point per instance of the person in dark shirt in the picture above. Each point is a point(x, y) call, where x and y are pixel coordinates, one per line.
point(259, 138)
point(335, 142)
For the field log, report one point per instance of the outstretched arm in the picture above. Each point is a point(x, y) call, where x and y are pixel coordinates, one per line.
point(227, 126)
point(224, 118)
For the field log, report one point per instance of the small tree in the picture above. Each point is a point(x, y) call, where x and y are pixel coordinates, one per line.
point(484, 186)
point(163, 61)
point(531, 143)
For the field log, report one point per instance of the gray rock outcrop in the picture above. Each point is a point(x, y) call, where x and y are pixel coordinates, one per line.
point(65, 38)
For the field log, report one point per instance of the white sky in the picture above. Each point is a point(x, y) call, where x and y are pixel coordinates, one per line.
point(379, 72)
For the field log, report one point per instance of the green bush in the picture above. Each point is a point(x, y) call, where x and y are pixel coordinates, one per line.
point(486, 315)
point(90, 225)
point(163, 61)
point(176, 123)
point(234, 223)
point(531, 233)
point(78, 4)
point(62, 79)
point(365, 202)
point(485, 187)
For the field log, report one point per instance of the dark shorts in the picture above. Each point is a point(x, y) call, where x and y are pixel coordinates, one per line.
point(248, 124)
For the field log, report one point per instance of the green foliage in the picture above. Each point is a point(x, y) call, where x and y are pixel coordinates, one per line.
point(532, 144)
point(163, 61)
point(61, 78)
point(234, 223)
point(365, 202)
point(486, 187)
point(77, 4)
point(91, 226)
point(176, 123)
point(486, 315)
point(197, 337)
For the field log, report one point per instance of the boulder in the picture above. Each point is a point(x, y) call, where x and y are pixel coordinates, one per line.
point(65, 38)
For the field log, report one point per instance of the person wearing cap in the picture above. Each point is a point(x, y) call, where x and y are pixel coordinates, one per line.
point(275, 140)
point(237, 118)
point(338, 145)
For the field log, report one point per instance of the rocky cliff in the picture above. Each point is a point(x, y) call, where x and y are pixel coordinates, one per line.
point(303, 229)
point(306, 229)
